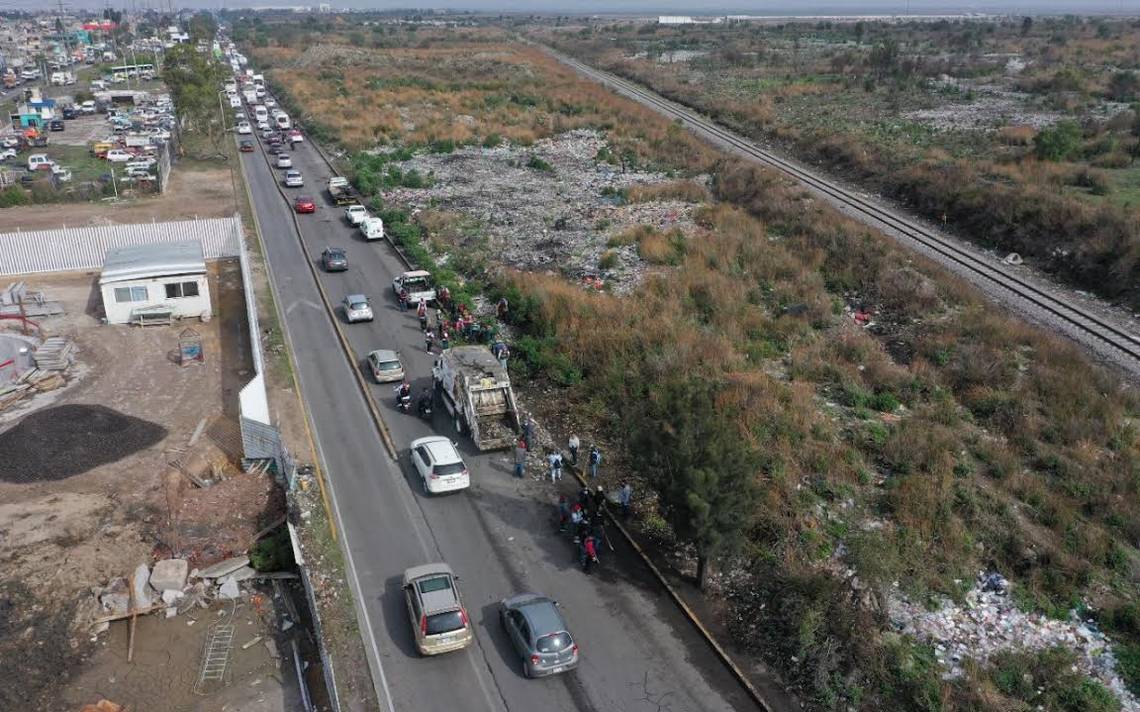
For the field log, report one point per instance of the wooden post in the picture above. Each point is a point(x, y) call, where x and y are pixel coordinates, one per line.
point(134, 617)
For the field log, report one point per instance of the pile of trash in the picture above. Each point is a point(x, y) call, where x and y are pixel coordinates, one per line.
point(988, 622)
point(551, 206)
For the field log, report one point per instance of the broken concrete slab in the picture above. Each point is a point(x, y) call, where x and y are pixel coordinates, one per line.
point(141, 584)
point(170, 596)
point(169, 574)
point(229, 590)
point(222, 568)
point(245, 573)
point(115, 603)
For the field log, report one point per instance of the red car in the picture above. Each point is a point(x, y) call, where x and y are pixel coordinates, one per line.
point(247, 147)
point(304, 204)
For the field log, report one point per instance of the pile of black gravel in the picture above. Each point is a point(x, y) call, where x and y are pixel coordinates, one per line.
point(57, 443)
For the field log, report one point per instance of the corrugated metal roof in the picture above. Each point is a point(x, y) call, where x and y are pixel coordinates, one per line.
point(156, 260)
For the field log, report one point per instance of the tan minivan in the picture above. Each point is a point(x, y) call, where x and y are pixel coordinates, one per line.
point(439, 620)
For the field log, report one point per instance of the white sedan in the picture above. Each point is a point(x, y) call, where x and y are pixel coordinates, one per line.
point(293, 179)
point(355, 214)
point(244, 128)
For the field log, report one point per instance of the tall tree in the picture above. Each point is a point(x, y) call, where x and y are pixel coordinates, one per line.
point(202, 27)
point(698, 463)
point(195, 81)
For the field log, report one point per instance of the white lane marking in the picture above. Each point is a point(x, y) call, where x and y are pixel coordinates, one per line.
point(302, 302)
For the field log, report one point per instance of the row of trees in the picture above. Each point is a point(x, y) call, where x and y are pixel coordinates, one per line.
point(195, 79)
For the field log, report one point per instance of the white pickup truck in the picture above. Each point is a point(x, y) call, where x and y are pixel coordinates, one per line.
point(419, 285)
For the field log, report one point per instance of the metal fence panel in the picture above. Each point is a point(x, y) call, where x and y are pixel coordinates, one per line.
point(84, 248)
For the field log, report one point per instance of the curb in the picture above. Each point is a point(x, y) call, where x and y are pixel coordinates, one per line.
point(377, 419)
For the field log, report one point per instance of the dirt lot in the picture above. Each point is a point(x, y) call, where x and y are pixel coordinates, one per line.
point(91, 502)
point(195, 192)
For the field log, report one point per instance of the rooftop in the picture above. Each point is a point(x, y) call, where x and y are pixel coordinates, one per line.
point(149, 261)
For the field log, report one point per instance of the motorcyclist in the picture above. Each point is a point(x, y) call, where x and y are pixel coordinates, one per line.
point(403, 391)
point(424, 405)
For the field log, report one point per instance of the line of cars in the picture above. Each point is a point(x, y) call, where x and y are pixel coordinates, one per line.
point(439, 621)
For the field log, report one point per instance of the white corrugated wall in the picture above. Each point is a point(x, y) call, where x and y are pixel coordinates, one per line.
point(84, 248)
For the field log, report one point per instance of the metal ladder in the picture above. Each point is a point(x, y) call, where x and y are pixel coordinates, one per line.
point(216, 656)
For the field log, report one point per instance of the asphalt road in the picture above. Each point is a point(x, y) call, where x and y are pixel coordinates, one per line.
point(638, 653)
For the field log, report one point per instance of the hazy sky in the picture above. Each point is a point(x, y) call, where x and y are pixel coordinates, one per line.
point(649, 7)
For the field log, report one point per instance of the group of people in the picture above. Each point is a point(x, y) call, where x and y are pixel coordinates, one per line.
point(584, 519)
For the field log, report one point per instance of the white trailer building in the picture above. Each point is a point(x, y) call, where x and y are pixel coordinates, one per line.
point(145, 284)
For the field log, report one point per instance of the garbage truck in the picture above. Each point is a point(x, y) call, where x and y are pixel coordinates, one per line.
point(476, 392)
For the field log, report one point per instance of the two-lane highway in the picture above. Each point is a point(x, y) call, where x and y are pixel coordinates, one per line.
point(638, 653)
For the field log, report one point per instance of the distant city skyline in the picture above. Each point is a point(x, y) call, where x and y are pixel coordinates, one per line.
point(647, 7)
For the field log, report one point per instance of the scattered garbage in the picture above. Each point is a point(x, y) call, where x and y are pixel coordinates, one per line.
point(1013, 259)
point(988, 622)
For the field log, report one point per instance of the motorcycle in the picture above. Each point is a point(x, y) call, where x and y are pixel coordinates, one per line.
point(424, 408)
point(404, 402)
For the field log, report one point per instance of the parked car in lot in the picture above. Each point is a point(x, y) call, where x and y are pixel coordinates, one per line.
point(10, 142)
point(385, 366)
point(56, 125)
point(61, 174)
point(334, 259)
point(118, 155)
point(284, 161)
point(439, 620)
point(293, 179)
point(304, 204)
point(137, 172)
point(70, 112)
point(39, 161)
point(357, 308)
point(355, 214)
point(246, 147)
point(8, 154)
point(538, 632)
point(439, 465)
point(87, 107)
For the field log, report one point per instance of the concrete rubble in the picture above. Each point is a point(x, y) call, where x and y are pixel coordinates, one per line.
point(169, 574)
point(550, 206)
point(169, 586)
point(988, 622)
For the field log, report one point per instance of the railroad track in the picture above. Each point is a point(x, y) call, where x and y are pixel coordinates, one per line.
point(1079, 320)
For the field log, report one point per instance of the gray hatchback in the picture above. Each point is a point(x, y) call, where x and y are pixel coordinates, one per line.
point(538, 632)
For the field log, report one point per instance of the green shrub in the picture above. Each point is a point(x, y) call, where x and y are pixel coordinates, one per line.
point(538, 164)
point(492, 140)
point(273, 552)
point(13, 195)
point(1058, 142)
